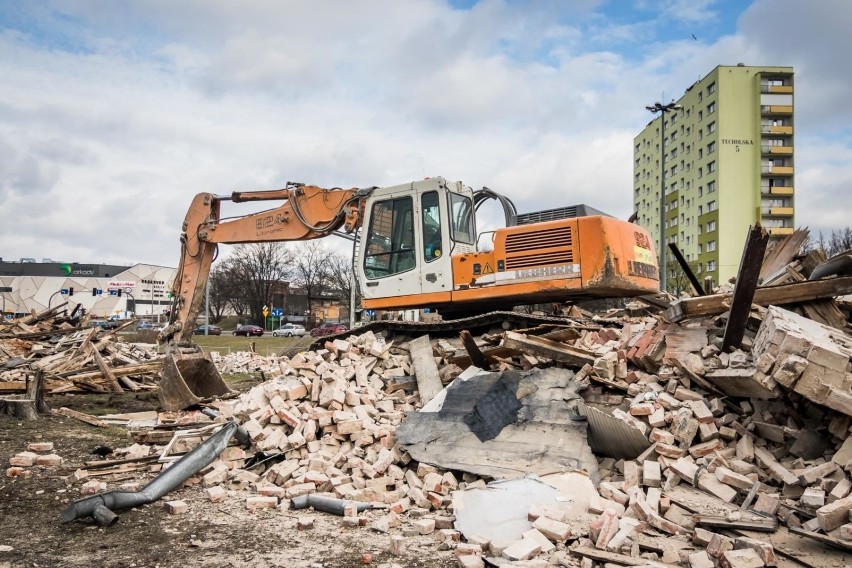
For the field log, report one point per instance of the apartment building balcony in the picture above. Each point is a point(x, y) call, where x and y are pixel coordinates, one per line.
point(776, 110)
point(780, 231)
point(777, 89)
point(777, 150)
point(777, 170)
point(782, 130)
point(777, 211)
point(776, 190)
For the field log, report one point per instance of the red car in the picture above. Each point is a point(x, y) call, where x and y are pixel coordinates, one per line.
point(328, 328)
point(249, 330)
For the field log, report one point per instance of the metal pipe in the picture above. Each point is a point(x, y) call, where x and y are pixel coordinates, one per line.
point(327, 504)
point(104, 517)
point(169, 479)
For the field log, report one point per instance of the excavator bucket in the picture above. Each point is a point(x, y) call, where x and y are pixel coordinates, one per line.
point(189, 377)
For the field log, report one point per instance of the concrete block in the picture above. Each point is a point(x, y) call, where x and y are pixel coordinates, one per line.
point(522, 549)
point(259, 502)
point(216, 494)
point(176, 507)
point(554, 530)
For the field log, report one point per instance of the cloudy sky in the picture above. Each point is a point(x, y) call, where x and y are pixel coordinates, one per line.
point(114, 113)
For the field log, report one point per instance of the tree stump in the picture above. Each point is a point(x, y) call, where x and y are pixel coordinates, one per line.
point(23, 408)
point(30, 405)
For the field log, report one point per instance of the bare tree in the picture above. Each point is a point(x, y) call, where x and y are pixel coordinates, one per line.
point(839, 241)
point(311, 269)
point(224, 292)
point(341, 278)
point(256, 270)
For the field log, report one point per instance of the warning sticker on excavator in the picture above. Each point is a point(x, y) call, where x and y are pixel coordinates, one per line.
point(488, 269)
point(643, 255)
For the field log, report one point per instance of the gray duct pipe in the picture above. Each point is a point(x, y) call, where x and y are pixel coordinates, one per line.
point(102, 506)
point(326, 504)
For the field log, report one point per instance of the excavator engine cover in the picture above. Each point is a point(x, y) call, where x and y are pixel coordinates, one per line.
point(189, 377)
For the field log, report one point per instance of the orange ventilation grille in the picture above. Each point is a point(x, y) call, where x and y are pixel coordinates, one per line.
point(526, 250)
point(539, 259)
point(550, 238)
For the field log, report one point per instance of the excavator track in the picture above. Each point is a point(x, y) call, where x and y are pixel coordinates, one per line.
point(490, 319)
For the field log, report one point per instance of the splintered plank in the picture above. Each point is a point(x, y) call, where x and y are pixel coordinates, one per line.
point(425, 369)
point(87, 418)
point(774, 295)
point(541, 347)
point(747, 278)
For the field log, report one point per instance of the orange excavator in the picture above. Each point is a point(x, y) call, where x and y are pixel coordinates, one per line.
point(416, 248)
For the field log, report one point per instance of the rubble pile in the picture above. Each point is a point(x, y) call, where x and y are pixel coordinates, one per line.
point(741, 451)
point(69, 357)
point(660, 439)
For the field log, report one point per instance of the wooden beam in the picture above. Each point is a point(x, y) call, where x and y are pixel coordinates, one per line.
point(542, 347)
point(747, 277)
point(102, 365)
point(476, 355)
point(696, 285)
point(765, 296)
point(615, 558)
point(87, 418)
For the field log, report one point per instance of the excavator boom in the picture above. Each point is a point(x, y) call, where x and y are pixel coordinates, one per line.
point(308, 212)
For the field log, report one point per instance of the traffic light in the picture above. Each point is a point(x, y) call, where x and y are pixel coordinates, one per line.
point(70, 291)
point(94, 291)
point(119, 292)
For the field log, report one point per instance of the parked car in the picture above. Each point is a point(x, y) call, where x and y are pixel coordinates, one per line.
point(211, 330)
point(328, 328)
point(106, 324)
point(289, 330)
point(249, 330)
point(144, 325)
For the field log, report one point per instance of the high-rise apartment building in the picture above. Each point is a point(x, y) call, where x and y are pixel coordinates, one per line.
point(728, 164)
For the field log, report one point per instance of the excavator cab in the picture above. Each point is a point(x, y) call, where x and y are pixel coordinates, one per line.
point(410, 233)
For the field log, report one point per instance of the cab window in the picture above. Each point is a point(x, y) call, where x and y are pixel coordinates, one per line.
point(432, 244)
point(461, 213)
point(390, 240)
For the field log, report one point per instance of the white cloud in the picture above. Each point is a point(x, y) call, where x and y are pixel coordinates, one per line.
point(114, 115)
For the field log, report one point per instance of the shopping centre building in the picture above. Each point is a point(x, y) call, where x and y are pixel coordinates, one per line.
point(103, 290)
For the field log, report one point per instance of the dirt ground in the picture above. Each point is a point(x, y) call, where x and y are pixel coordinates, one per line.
point(210, 535)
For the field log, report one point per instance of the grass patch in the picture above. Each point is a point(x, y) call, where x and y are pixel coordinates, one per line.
point(266, 345)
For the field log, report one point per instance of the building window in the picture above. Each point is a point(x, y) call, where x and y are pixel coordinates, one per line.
point(711, 128)
point(711, 246)
point(711, 226)
point(711, 167)
point(711, 206)
point(700, 248)
point(700, 228)
point(701, 210)
point(700, 117)
point(711, 265)
point(711, 147)
point(700, 190)
point(700, 153)
point(711, 88)
point(700, 172)
point(711, 108)
point(711, 187)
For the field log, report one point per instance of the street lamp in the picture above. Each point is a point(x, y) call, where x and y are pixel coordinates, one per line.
point(663, 109)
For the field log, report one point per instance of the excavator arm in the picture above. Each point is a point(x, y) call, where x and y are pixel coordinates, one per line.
point(307, 212)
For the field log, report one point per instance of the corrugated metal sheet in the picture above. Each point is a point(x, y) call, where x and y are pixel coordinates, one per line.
point(612, 437)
